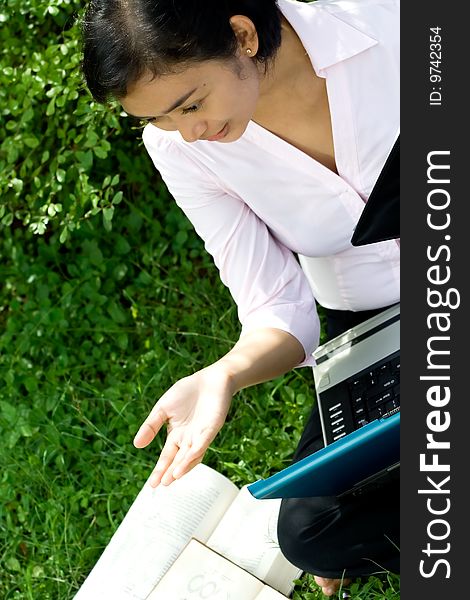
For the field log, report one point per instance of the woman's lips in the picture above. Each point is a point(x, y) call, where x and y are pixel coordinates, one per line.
point(218, 136)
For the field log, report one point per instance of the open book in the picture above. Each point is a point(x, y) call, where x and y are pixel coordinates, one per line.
point(199, 572)
point(159, 525)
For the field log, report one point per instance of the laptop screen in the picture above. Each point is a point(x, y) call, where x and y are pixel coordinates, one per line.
point(380, 219)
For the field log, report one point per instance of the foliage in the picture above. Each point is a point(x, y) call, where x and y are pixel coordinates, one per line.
point(383, 586)
point(55, 152)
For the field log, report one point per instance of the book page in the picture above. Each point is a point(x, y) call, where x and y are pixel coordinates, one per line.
point(247, 535)
point(201, 573)
point(156, 528)
point(268, 593)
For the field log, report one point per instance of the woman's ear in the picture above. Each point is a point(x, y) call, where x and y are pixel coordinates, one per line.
point(246, 34)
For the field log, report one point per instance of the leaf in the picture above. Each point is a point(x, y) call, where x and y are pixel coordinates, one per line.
point(31, 142)
point(180, 238)
point(26, 430)
point(13, 564)
point(122, 246)
point(27, 115)
point(100, 153)
point(91, 138)
point(117, 198)
point(37, 572)
point(31, 384)
point(17, 185)
point(7, 220)
point(108, 213)
point(50, 110)
point(64, 234)
point(117, 315)
point(8, 412)
point(93, 252)
point(85, 159)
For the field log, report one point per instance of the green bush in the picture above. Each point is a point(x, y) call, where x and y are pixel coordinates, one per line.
point(55, 160)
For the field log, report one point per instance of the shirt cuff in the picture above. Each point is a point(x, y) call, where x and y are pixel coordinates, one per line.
point(300, 320)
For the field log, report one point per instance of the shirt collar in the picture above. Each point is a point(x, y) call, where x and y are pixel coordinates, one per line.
point(327, 38)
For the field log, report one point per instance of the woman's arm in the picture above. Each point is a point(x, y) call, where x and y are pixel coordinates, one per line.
point(195, 408)
point(275, 305)
point(261, 355)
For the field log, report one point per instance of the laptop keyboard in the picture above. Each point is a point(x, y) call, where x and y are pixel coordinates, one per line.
point(375, 392)
point(370, 394)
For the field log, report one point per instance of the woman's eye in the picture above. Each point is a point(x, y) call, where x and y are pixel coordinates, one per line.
point(191, 108)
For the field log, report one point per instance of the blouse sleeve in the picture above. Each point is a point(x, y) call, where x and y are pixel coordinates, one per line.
point(263, 276)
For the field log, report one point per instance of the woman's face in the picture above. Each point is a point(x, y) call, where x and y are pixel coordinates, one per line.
point(212, 101)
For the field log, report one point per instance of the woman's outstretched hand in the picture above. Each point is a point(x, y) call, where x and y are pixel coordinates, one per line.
point(194, 409)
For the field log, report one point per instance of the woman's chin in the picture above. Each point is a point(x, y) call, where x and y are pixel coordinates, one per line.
point(233, 134)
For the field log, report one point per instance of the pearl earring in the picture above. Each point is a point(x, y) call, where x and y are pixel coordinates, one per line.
point(249, 51)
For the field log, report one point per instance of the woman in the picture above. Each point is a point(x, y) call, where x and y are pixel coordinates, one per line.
point(269, 122)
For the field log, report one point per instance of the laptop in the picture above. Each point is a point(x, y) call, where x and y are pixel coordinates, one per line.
point(357, 375)
point(380, 218)
point(357, 381)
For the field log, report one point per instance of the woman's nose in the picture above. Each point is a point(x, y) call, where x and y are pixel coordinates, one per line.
point(193, 131)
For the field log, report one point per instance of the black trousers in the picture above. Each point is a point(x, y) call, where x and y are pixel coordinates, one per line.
point(351, 535)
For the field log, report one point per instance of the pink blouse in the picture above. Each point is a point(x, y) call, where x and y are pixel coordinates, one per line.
point(258, 201)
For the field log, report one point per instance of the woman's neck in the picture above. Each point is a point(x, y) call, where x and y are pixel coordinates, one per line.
point(286, 77)
point(293, 102)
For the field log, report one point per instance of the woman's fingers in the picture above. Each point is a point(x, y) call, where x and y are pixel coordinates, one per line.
point(170, 450)
point(194, 415)
point(185, 454)
point(149, 428)
point(175, 461)
point(192, 456)
point(185, 467)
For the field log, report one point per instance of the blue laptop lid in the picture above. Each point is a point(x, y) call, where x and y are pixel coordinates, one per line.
point(338, 467)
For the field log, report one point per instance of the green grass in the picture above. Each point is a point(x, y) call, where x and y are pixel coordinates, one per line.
point(91, 333)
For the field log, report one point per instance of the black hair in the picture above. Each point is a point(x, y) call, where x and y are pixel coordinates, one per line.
point(124, 39)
